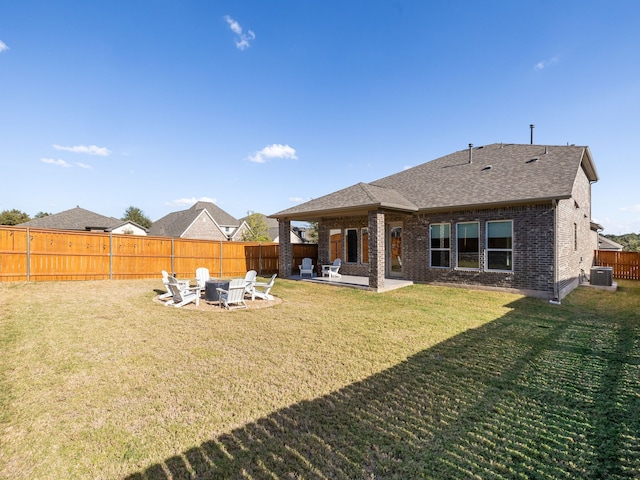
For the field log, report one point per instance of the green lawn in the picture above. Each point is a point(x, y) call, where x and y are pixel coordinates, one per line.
point(99, 381)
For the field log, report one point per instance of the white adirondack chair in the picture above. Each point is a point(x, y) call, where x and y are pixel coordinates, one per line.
point(182, 295)
point(332, 270)
point(233, 297)
point(250, 281)
point(202, 275)
point(262, 289)
point(165, 282)
point(306, 267)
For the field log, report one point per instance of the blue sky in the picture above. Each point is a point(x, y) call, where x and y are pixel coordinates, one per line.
point(259, 105)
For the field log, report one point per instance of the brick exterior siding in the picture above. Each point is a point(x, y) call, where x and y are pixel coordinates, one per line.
point(204, 227)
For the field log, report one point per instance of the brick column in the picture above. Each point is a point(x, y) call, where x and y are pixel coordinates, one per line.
point(285, 252)
point(376, 250)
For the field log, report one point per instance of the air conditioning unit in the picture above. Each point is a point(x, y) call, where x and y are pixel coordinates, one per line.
point(602, 276)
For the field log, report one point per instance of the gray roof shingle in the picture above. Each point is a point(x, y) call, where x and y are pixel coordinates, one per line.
point(74, 219)
point(176, 223)
point(497, 174)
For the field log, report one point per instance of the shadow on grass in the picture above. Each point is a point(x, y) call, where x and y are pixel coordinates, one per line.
point(543, 392)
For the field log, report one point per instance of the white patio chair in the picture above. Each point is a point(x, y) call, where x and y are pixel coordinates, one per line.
point(234, 295)
point(332, 270)
point(250, 281)
point(165, 282)
point(306, 267)
point(202, 275)
point(262, 289)
point(181, 294)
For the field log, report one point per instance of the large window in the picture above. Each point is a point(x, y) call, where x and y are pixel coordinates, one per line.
point(440, 243)
point(468, 245)
point(364, 240)
point(352, 245)
point(500, 245)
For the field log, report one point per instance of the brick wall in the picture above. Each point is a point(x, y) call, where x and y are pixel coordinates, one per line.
point(204, 228)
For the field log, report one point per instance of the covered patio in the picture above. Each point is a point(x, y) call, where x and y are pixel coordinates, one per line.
point(353, 281)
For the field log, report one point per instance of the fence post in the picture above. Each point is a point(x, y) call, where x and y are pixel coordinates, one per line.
point(28, 255)
point(110, 255)
point(173, 256)
point(220, 246)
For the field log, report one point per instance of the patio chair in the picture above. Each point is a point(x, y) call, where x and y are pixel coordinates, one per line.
point(202, 275)
point(181, 294)
point(306, 267)
point(332, 270)
point(262, 289)
point(234, 295)
point(250, 281)
point(165, 282)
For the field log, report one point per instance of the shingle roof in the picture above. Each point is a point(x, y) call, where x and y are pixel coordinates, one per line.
point(176, 223)
point(75, 219)
point(497, 174)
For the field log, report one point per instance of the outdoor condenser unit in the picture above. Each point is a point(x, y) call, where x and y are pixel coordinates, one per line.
point(602, 276)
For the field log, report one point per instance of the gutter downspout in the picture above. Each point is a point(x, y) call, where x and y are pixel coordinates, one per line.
point(556, 289)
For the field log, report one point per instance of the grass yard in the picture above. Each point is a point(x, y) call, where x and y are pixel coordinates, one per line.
point(99, 381)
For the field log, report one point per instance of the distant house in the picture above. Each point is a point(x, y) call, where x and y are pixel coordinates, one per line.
point(84, 220)
point(605, 243)
point(497, 216)
point(204, 220)
point(274, 233)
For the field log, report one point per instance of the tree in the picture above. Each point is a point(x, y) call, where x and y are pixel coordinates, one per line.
point(258, 229)
point(13, 217)
point(135, 215)
point(41, 215)
point(312, 232)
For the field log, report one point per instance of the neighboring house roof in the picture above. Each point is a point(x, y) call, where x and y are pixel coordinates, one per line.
point(605, 243)
point(175, 224)
point(78, 219)
point(490, 175)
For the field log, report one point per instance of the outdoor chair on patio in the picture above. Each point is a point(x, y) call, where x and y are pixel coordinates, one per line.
point(165, 282)
point(202, 275)
point(250, 281)
point(332, 270)
point(181, 294)
point(306, 267)
point(262, 289)
point(233, 297)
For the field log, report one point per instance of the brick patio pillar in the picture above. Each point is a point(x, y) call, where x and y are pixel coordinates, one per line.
point(376, 250)
point(285, 250)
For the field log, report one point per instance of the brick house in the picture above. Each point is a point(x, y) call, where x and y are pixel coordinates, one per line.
point(204, 220)
point(503, 216)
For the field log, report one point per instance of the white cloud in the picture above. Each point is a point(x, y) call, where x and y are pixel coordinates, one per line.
point(296, 199)
point(243, 39)
point(181, 202)
point(631, 208)
point(546, 63)
point(59, 163)
point(273, 151)
point(84, 165)
point(89, 150)
point(3, 46)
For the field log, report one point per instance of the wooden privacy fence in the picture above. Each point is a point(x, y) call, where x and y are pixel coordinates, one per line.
point(626, 265)
point(28, 254)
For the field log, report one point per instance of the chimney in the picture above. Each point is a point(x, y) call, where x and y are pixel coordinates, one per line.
point(532, 126)
point(470, 153)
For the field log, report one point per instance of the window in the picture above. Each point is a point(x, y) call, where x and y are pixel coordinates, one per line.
point(352, 245)
point(468, 245)
point(440, 243)
point(335, 244)
point(500, 245)
point(364, 240)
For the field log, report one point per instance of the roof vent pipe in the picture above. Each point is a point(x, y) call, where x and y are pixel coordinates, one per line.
point(532, 126)
point(470, 153)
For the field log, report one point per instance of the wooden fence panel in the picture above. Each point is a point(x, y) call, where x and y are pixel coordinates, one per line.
point(13, 255)
point(139, 257)
point(626, 265)
point(67, 255)
point(47, 255)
